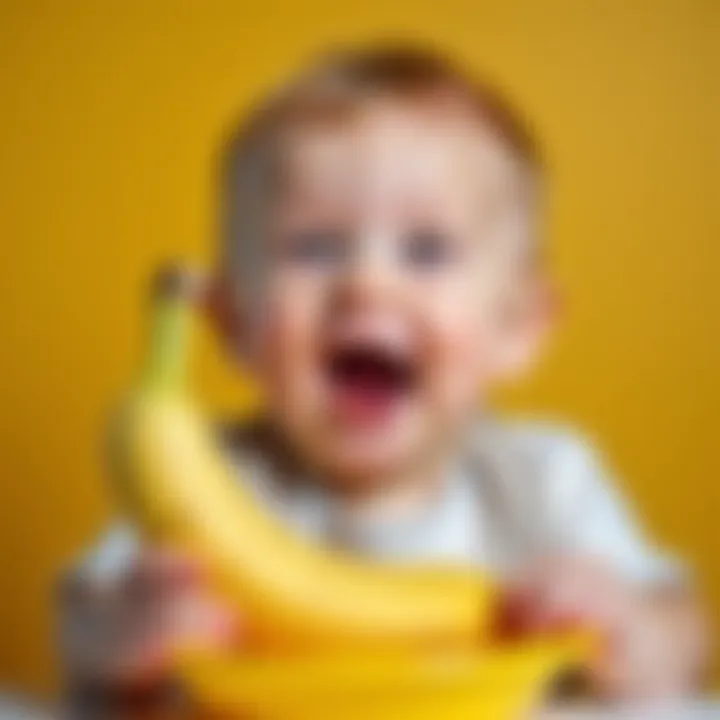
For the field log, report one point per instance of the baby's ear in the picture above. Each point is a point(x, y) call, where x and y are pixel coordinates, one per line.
point(224, 314)
point(527, 329)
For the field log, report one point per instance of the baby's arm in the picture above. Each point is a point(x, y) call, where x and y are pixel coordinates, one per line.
point(599, 571)
point(667, 646)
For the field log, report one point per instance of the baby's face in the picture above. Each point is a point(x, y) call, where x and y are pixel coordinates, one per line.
point(390, 255)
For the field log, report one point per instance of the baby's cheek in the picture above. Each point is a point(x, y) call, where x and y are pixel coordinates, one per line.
point(459, 358)
point(288, 340)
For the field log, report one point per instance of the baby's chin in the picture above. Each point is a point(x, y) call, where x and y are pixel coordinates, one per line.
point(370, 459)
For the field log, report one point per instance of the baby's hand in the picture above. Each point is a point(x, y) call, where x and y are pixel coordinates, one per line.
point(564, 594)
point(122, 636)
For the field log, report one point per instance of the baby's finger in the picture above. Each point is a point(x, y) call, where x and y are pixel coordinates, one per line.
point(197, 614)
point(163, 571)
point(544, 599)
point(170, 563)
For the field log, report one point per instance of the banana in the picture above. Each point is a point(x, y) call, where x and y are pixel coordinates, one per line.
point(181, 490)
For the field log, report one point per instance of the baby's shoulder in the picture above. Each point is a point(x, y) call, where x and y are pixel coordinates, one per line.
point(538, 438)
point(544, 454)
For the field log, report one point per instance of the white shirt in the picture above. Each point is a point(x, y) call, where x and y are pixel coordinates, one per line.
point(516, 492)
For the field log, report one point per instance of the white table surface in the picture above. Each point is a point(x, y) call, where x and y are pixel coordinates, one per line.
point(701, 709)
point(705, 709)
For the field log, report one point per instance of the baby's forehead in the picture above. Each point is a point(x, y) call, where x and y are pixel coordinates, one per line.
point(393, 147)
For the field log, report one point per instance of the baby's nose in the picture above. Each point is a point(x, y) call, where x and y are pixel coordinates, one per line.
point(371, 277)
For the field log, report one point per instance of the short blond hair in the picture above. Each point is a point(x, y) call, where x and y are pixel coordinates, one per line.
point(338, 83)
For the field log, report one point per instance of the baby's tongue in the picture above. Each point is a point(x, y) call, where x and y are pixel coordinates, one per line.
point(366, 393)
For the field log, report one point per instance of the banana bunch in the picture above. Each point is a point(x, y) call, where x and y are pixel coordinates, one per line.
point(368, 634)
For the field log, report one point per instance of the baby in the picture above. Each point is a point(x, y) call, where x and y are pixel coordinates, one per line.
point(380, 272)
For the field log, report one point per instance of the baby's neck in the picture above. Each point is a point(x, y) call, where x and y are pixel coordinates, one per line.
point(402, 494)
point(395, 498)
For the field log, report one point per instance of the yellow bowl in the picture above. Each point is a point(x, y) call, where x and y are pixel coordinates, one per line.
point(497, 683)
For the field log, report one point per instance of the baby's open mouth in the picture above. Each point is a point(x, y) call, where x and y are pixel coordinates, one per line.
point(367, 379)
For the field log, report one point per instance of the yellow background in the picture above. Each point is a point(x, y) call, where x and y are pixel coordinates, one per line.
point(111, 110)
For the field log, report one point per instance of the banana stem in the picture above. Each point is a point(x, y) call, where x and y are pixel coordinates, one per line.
point(166, 361)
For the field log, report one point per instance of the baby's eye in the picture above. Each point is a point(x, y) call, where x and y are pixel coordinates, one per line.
point(316, 247)
point(428, 248)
